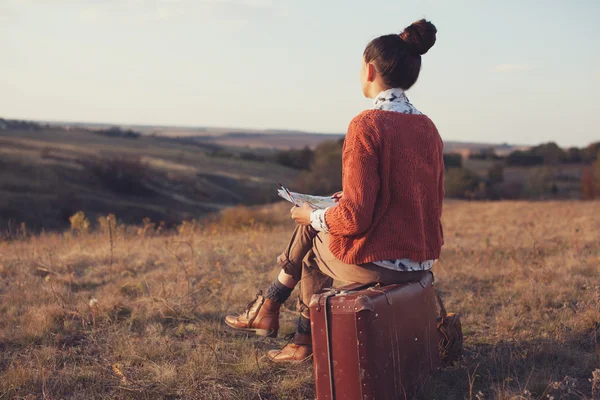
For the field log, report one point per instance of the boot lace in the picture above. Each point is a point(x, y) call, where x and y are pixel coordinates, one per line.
point(249, 306)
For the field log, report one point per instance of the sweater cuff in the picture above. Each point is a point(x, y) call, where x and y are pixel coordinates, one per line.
point(317, 220)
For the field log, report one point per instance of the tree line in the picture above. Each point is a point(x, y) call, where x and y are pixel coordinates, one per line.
point(21, 125)
point(321, 172)
point(548, 154)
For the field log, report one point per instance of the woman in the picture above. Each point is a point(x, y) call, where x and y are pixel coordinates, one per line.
point(386, 227)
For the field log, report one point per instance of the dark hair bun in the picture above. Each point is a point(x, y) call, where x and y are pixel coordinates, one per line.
point(419, 37)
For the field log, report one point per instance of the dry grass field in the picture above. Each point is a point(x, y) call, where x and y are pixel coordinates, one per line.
point(130, 313)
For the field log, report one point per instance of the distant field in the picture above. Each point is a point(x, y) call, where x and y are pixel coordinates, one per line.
point(130, 313)
point(48, 175)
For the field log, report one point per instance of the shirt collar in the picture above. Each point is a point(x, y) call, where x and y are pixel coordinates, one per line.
point(393, 94)
point(394, 100)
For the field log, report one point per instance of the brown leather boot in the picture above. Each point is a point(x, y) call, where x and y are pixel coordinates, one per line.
point(261, 317)
point(298, 351)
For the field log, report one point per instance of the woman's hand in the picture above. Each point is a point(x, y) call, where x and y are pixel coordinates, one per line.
point(301, 214)
point(337, 196)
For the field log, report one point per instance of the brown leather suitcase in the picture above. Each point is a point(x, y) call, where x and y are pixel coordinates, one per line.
point(374, 343)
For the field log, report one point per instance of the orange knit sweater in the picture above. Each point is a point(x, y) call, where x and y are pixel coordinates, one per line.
point(393, 183)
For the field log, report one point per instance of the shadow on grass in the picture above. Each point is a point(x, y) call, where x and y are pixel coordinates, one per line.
point(531, 369)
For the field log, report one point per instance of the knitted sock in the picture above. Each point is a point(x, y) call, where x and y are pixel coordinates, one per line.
point(303, 325)
point(278, 292)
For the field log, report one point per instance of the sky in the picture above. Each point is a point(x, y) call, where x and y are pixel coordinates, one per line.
point(514, 71)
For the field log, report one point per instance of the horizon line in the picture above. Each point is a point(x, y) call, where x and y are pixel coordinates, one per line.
point(233, 129)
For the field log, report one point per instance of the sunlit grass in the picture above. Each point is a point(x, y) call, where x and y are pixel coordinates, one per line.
point(141, 317)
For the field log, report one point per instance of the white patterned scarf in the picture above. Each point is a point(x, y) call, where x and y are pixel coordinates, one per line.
point(394, 100)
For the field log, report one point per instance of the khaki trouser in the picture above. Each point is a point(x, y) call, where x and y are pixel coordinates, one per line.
point(309, 261)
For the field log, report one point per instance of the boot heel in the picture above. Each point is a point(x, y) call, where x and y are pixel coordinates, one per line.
point(266, 332)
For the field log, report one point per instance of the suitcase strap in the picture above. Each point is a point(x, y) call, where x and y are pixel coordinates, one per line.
point(326, 297)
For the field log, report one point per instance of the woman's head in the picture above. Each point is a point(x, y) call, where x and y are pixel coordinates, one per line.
point(394, 61)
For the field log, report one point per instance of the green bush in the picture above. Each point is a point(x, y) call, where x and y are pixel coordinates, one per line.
point(540, 182)
point(120, 174)
point(297, 159)
point(524, 159)
point(461, 183)
point(591, 153)
point(325, 174)
point(496, 174)
point(453, 160)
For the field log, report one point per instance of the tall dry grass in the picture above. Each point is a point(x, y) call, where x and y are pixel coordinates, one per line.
point(121, 312)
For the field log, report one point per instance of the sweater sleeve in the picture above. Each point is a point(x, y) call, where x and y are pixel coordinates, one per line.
point(360, 182)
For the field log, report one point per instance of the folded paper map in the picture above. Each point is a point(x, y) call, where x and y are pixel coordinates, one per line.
point(316, 202)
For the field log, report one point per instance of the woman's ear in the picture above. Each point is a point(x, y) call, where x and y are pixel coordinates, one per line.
point(371, 72)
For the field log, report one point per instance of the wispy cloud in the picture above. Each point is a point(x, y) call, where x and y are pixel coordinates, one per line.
point(512, 68)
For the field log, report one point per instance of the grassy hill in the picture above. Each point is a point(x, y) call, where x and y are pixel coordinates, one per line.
point(131, 313)
point(47, 175)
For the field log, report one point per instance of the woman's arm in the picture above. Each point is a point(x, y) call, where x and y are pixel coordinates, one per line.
point(360, 181)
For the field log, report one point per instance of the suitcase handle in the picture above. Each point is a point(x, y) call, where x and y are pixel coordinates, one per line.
point(443, 312)
point(387, 296)
point(423, 282)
